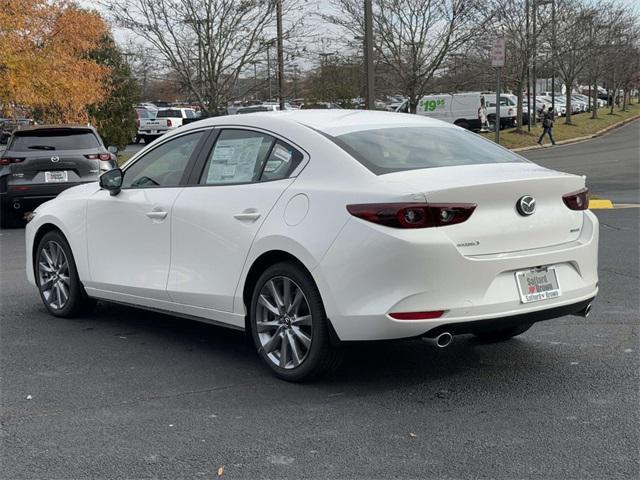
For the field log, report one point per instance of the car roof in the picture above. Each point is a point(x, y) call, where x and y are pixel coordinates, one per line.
point(336, 121)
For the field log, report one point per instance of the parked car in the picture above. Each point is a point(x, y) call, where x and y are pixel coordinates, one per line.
point(312, 228)
point(9, 125)
point(143, 115)
point(262, 107)
point(166, 119)
point(42, 161)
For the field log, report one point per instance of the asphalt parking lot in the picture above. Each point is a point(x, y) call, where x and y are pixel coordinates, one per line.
point(130, 394)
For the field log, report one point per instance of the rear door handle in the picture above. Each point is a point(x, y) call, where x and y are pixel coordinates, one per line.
point(157, 215)
point(249, 215)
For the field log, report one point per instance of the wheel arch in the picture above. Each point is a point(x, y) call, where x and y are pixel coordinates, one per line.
point(259, 265)
point(41, 232)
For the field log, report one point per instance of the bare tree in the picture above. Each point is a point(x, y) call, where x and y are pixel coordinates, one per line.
point(206, 43)
point(412, 37)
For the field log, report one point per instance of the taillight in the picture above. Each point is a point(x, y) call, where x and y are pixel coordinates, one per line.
point(137, 122)
point(169, 122)
point(416, 315)
point(578, 200)
point(8, 160)
point(95, 156)
point(413, 215)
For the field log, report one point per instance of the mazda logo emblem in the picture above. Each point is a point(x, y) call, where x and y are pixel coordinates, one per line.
point(55, 159)
point(526, 205)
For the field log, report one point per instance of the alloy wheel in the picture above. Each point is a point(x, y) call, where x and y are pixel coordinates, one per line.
point(283, 322)
point(53, 275)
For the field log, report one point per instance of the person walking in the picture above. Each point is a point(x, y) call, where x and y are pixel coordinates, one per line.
point(547, 125)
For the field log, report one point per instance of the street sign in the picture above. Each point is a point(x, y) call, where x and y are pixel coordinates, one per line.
point(498, 52)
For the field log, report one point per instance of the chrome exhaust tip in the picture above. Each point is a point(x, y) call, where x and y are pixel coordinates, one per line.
point(441, 341)
point(584, 312)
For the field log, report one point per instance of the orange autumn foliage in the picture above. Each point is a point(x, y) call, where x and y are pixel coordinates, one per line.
point(44, 62)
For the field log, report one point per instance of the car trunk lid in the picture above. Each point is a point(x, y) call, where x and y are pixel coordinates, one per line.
point(496, 225)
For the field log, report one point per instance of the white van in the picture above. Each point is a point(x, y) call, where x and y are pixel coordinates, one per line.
point(462, 109)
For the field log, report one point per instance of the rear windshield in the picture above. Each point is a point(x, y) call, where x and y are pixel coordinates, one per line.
point(388, 150)
point(61, 139)
point(142, 113)
point(169, 114)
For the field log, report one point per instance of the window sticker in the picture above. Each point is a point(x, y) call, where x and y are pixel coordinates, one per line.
point(234, 160)
point(282, 153)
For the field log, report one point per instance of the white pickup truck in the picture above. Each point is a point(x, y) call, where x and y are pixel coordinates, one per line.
point(166, 119)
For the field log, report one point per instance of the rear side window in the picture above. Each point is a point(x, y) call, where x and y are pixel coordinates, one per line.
point(245, 156)
point(59, 139)
point(388, 150)
point(237, 157)
point(190, 113)
point(169, 114)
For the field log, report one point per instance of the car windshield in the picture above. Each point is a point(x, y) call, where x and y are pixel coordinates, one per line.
point(59, 139)
point(387, 150)
point(142, 113)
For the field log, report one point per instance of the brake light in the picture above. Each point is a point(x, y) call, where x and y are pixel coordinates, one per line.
point(578, 200)
point(9, 160)
point(137, 122)
point(413, 215)
point(95, 156)
point(417, 315)
point(169, 122)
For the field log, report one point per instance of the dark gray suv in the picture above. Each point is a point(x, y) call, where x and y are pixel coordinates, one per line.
point(42, 161)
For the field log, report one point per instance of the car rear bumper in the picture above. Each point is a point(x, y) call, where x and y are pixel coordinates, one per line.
point(26, 197)
point(370, 272)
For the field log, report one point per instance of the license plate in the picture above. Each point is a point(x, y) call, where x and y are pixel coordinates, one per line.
point(538, 284)
point(57, 176)
point(154, 131)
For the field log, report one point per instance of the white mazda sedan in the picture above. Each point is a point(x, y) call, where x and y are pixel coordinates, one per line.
point(310, 229)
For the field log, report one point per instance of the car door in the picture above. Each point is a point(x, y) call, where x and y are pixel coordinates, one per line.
point(129, 234)
point(216, 219)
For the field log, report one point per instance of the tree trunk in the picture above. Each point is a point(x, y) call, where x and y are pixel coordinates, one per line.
point(594, 113)
point(567, 117)
point(413, 103)
point(519, 110)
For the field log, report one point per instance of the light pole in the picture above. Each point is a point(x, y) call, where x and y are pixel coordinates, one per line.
point(528, 70)
point(534, 54)
point(368, 55)
point(280, 54)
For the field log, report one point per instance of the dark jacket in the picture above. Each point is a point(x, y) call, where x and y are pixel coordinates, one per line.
point(547, 120)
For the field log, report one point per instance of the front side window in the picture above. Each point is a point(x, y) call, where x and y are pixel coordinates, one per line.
point(163, 166)
point(387, 150)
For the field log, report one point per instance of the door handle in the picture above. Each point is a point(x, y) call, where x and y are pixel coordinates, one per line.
point(248, 215)
point(157, 215)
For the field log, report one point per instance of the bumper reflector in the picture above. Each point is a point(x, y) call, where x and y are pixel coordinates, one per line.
point(416, 315)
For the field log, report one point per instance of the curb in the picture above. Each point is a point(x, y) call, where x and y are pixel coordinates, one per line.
point(600, 204)
point(586, 137)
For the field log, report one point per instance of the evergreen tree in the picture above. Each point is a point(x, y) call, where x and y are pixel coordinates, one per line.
point(115, 117)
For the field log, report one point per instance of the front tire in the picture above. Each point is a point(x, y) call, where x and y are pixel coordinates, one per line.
point(288, 323)
point(57, 278)
point(503, 334)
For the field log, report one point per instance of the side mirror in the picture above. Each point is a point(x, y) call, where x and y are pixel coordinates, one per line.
point(112, 180)
point(113, 150)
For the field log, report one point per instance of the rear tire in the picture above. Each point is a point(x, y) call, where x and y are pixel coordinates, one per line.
point(463, 124)
point(289, 325)
point(57, 278)
point(503, 334)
